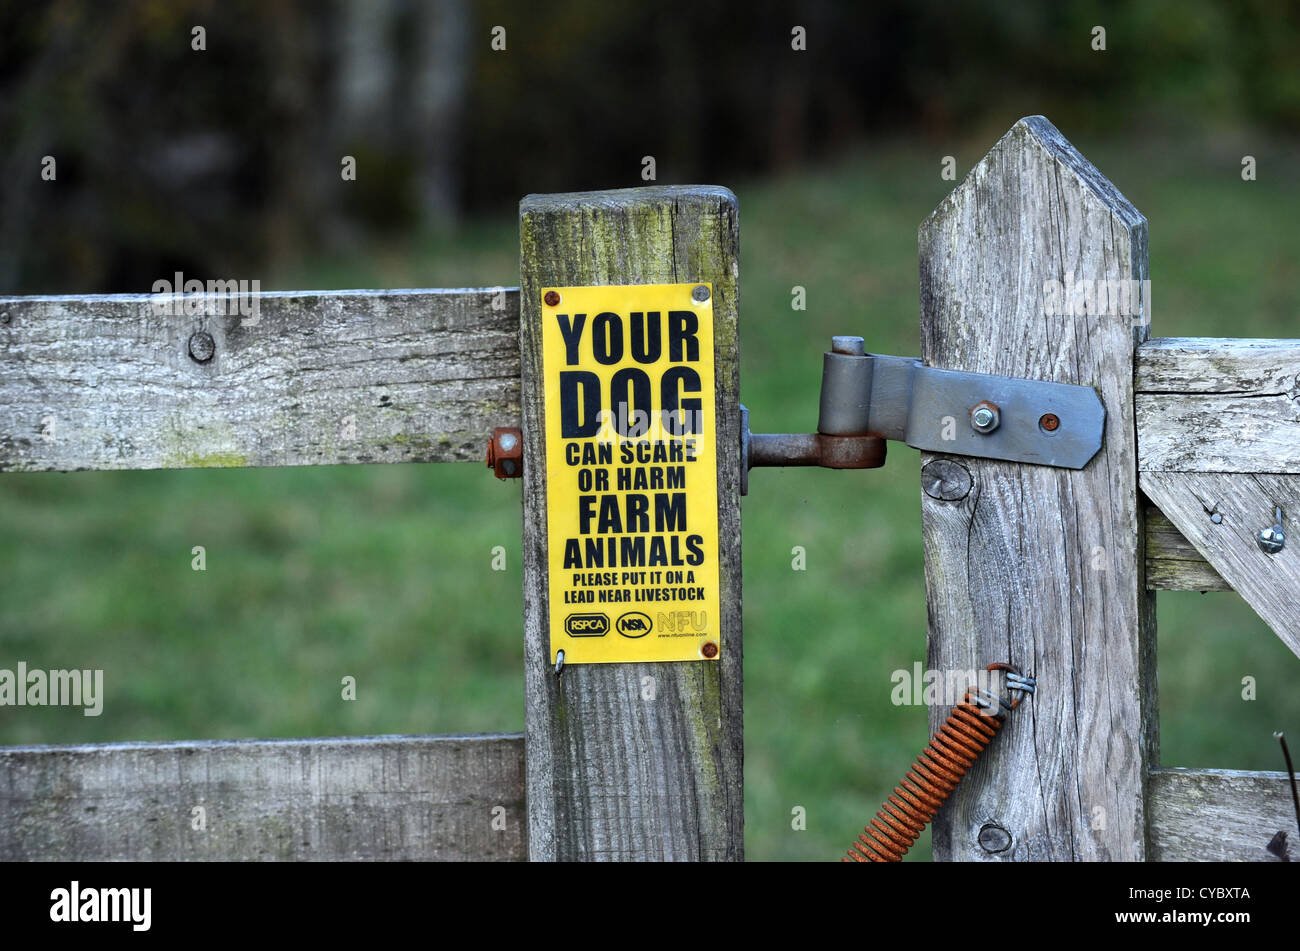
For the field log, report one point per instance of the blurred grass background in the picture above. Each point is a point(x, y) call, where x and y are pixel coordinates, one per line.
point(385, 573)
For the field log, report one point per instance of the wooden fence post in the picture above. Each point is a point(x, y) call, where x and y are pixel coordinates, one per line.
point(612, 775)
point(1039, 566)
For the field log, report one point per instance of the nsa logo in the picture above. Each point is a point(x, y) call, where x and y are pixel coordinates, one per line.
point(634, 624)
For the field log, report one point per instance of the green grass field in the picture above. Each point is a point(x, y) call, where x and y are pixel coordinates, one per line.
point(385, 573)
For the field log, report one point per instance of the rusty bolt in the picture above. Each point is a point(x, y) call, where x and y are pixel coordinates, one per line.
point(709, 650)
point(202, 346)
point(505, 454)
point(1049, 422)
point(985, 417)
point(551, 298)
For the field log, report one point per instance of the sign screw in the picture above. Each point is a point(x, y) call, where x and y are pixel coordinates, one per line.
point(984, 418)
point(709, 650)
point(700, 293)
point(552, 299)
point(202, 346)
point(1272, 540)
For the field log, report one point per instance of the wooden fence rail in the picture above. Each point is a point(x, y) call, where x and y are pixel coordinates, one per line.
point(104, 382)
point(387, 797)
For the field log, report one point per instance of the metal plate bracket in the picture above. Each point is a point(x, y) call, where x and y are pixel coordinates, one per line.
point(867, 398)
point(981, 414)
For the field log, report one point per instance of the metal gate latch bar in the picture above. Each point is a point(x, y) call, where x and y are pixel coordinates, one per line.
point(867, 398)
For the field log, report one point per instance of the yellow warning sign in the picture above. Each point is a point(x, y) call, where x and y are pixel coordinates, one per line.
point(631, 473)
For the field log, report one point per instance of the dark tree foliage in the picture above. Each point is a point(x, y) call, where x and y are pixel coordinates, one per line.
point(225, 161)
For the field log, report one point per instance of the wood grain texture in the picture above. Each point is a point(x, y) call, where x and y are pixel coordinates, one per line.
point(325, 377)
point(1220, 815)
point(1269, 583)
point(611, 775)
point(368, 798)
point(1173, 563)
point(1036, 565)
point(1206, 404)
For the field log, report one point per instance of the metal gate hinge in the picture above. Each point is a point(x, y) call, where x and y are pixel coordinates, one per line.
point(867, 398)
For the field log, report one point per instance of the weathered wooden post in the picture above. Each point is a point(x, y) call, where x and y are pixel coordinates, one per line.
point(616, 770)
point(1039, 566)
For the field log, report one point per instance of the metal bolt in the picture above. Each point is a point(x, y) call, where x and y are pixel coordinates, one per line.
point(1049, 422)
point(700, 293)
point(202, 346)
point(552, 299)
point(709, 650)
point(852, 346)
point(1272, 540)
point(994, 838)
point(505, 452)
point(985, 417)
point(1216, 518)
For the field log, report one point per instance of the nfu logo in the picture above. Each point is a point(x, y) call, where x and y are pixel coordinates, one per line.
point(634, 624)
point(587, 625)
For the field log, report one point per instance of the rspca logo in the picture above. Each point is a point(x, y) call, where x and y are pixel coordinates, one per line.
point(634, 624)
point(587, 625)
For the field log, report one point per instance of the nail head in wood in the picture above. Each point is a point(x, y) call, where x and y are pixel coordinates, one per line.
point(202, 346)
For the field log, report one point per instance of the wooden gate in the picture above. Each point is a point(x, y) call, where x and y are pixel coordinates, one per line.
point(1052, 569)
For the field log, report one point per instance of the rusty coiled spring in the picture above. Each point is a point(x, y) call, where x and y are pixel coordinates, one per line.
point(952, 751)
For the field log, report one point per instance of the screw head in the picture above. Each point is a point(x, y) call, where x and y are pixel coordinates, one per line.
point(202, 346)
point(700, 293)
point(1049, 422)
point(1271, 540)
point(552, 298)
point(709, 650)
point(984, 418)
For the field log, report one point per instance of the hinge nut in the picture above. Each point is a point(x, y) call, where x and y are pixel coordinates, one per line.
point(985, 417)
